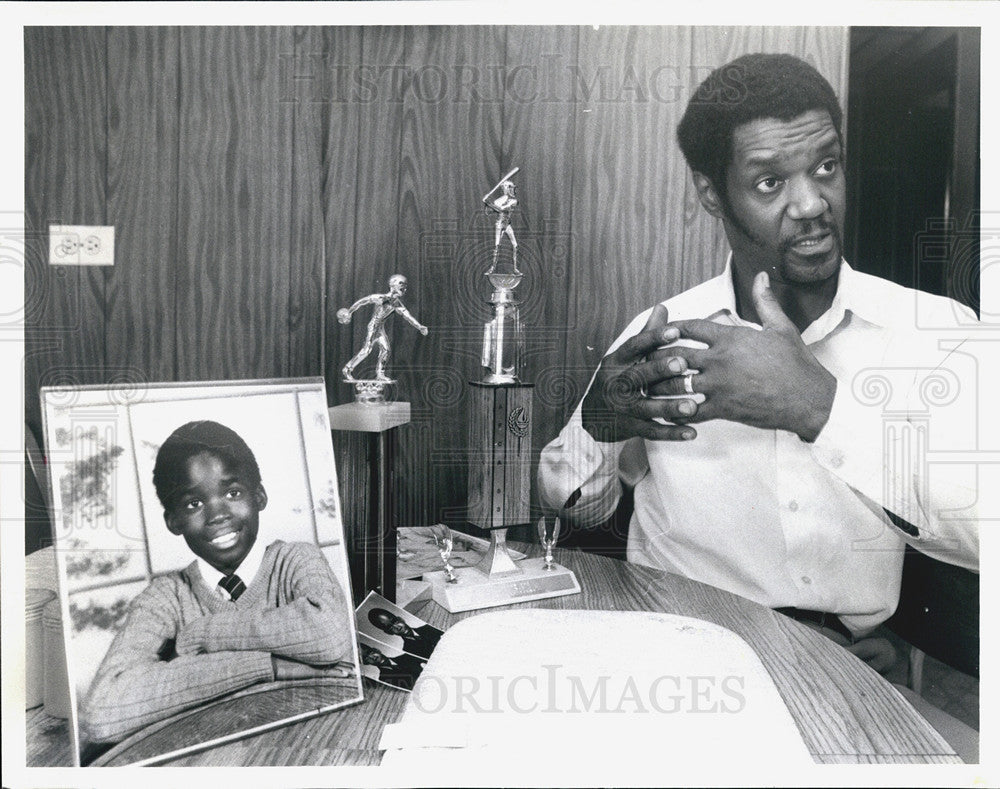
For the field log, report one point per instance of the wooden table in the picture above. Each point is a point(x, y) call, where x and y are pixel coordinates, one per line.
point(845, 711)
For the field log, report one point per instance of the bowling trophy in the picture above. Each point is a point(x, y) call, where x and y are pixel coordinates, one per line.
point(366, 459)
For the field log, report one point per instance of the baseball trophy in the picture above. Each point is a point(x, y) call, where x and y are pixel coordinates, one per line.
point(500, 444)
point(369, 431)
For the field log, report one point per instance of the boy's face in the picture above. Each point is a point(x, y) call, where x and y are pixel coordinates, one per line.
point(216, 512)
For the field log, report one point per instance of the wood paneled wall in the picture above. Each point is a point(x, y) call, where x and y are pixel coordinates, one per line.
point(260, 178)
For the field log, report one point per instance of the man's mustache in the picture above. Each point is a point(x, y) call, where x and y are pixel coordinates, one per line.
point(808, 229)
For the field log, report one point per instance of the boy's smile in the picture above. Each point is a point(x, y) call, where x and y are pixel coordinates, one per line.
point(216, 512)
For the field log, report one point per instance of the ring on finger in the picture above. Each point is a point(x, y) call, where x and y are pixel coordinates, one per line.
point(688, 388)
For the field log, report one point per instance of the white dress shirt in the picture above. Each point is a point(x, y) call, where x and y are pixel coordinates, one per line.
point(785, 522)
point(246, 571)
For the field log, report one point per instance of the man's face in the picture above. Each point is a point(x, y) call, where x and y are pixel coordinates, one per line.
point(394, 625)
point(786, 195)
point(216, 512)
point(373, 657)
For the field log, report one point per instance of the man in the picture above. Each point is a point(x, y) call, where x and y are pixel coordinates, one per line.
point(419, 641)
point(757, 466)
point(400, 671)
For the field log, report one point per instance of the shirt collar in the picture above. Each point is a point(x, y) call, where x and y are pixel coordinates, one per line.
point(714, 299)
point(246, 571)
point(855, 295)
point(717, 296)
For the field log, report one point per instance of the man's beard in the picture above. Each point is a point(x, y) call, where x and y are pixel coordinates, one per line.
point(805, 227)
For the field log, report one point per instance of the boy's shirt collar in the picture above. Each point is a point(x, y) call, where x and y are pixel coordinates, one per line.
point(246, 571)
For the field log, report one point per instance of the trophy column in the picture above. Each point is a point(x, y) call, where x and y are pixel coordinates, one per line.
point(500, 469)
point(367, 472)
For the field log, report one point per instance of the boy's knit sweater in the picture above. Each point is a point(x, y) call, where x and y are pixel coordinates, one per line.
point(182, 644)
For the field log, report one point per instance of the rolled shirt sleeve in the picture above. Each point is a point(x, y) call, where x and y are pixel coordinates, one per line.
point(574, 461)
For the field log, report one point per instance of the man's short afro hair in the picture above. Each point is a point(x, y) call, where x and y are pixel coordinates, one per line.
point(746, 89)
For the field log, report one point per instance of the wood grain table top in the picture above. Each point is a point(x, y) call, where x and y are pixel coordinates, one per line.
point(845, 711)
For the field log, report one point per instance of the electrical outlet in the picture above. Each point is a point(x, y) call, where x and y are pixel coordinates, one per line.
point(81, 245)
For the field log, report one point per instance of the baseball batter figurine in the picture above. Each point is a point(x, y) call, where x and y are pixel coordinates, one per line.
point(503, 205)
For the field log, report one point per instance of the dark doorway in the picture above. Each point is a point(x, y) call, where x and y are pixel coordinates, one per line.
point(913, 157)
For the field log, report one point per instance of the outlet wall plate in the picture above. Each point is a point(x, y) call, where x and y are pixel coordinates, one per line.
point(81, 245)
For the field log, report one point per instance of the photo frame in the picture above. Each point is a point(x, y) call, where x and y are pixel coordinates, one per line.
point(133, 572)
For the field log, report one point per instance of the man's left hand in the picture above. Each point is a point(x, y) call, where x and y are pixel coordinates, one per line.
point(766, 378)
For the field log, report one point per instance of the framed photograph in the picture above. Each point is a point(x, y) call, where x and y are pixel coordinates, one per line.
point(202, 567)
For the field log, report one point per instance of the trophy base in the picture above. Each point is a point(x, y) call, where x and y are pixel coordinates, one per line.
point(369, 417)
point(502, 379)
point(476, 590)
point(371, 391)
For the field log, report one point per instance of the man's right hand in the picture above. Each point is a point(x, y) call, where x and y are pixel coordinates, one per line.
point(617, 408)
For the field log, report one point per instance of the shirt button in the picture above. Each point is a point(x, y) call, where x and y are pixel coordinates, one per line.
point(837, 461)
point(806, 579)
point(793, 506)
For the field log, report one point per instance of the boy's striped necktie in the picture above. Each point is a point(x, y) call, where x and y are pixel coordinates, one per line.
point(234, 585)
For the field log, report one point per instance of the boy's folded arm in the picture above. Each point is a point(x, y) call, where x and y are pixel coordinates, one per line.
point(308, 629)
point(135, 687)
point(312, 627)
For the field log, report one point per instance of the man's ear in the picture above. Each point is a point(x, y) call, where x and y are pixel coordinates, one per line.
point(708, 195)
point(171, 525)
point(260, 497)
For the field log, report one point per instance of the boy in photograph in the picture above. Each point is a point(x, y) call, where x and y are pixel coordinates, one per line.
point(243, 612)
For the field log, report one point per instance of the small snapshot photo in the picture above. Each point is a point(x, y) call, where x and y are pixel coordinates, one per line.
point(388, 666)
point(389, 624)
point(202, 567)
